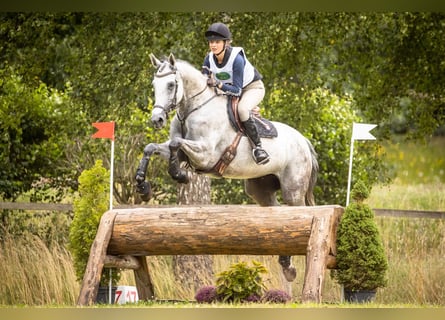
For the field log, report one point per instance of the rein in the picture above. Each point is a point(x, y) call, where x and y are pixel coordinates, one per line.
point(182, 119)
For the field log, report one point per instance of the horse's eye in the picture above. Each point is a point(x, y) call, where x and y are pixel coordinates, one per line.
point(170, 86)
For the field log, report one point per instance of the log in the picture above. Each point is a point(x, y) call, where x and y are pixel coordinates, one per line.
point(122, 262)
point(126, 236)
point(144, 284)
point(96, 260)
point(214, 230)
point(321, 251)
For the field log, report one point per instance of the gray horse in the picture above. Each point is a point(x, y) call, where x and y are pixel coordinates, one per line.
point(201, 133)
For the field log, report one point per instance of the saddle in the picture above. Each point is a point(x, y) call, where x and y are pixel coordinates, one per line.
point(266, 129)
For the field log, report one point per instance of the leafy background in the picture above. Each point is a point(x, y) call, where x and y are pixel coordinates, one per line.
point(62, 71)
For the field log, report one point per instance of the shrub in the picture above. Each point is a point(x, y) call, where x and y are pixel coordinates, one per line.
point(89, 207)
point(361, 260)
point(241, 283)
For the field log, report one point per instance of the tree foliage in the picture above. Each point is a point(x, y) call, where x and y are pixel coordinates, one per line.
point(322, 71)
point(32, 133)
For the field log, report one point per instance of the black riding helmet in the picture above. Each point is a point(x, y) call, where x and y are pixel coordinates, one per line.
point(218, 31)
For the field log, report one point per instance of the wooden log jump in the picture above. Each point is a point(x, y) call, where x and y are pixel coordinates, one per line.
point(126, 236)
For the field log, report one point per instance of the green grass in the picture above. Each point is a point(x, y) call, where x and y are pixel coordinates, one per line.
point(416, 163)
point(425, 196)
point(419, 171)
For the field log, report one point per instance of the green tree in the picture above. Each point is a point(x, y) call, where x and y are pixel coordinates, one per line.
point(388, 64)
point(33, 134)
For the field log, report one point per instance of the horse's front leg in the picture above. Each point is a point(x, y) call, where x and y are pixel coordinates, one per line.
point(143, 187)
point(197, 153)
point(174, 164)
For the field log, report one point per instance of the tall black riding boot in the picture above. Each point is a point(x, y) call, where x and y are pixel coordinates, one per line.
point(259, 154)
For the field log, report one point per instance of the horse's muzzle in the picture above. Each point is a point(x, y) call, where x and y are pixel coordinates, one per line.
point(159, 120)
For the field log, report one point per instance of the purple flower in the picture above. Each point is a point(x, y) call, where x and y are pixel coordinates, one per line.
point(206, 294)
point(276, 296)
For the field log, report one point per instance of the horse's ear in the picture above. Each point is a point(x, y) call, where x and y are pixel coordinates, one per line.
point(154, 61)
point(171, 59)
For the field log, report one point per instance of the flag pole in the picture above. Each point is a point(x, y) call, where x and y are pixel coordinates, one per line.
point(110, 284)
point(360, 131)
point(106, 130)
point(351, 152)
point(111, 173)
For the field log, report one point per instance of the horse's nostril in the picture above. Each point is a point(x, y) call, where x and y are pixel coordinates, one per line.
point(158, 122)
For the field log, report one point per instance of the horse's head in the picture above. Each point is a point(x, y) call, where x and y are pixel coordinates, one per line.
point(168, 88)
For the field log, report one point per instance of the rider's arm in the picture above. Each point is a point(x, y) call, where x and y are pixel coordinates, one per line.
point(236, 88)
point(206, 66)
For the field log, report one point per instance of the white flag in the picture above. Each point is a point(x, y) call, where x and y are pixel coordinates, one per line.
point(360, 131)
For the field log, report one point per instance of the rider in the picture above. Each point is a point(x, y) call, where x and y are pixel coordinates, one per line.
point(235, 76)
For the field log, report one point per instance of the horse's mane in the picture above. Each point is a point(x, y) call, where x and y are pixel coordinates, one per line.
point(187, 69)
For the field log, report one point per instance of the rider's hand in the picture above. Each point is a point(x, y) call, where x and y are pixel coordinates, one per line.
point(212, 82)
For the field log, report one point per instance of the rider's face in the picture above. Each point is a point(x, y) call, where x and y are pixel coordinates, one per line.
point(216, 46)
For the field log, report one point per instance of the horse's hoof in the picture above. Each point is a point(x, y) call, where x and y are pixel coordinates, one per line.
point(144, 189)
point(145, 197)
point(183, 178)
point(290, 273)
point(180, 176)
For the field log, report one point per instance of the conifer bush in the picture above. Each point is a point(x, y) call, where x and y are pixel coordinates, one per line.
point(361, 260)
point(89, 207)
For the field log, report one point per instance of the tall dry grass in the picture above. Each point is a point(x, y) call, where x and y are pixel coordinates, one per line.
point(416, 252)
point(34, 274)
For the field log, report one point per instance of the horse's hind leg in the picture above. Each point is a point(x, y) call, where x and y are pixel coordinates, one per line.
point(263, 190)
point(293, 190)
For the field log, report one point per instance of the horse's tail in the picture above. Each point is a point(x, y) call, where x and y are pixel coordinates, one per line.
point(309, 197)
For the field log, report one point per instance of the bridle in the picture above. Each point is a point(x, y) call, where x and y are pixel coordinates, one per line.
point(172, 105)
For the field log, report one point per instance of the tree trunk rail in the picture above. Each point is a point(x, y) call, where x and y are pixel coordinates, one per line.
point(126, 236)
point(379, 212)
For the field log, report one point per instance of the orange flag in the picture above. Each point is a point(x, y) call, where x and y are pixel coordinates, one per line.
point(105, 130)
